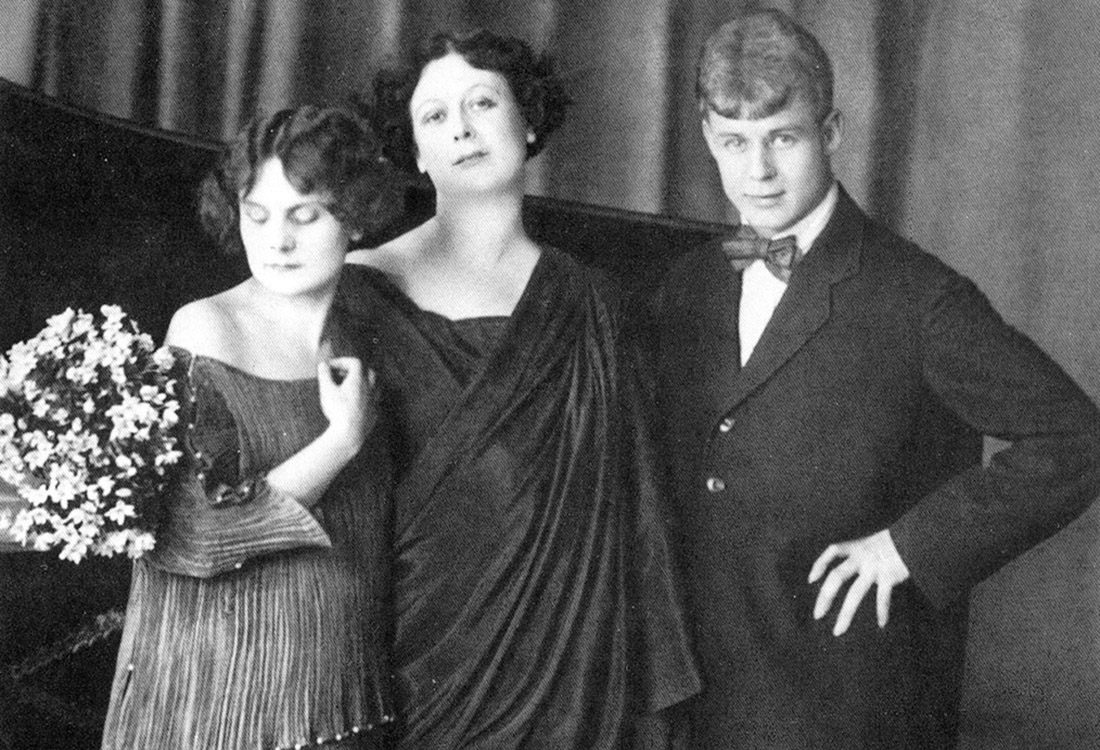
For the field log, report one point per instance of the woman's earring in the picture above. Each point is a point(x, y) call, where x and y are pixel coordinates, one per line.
point(530, 136)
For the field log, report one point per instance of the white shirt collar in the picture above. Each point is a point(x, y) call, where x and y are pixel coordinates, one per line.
point(807, 229)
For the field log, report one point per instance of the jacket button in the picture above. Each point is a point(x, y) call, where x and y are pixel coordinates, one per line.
point(726, 424)
point(714, 484)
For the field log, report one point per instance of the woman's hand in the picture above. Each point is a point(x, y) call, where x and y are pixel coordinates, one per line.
point(348, 400)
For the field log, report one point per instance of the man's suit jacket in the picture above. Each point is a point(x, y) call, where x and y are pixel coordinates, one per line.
point(861, 408)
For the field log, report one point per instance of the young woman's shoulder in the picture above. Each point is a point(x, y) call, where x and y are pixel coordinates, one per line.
point(206, 326)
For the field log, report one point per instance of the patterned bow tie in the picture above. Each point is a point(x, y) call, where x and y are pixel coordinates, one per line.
point(780, 256)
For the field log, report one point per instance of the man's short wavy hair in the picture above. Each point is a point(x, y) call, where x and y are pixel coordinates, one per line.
point(758, 63)
point(326, 151)
point(531, 77)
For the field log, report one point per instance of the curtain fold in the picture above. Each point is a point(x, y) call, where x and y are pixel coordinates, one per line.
point(971, 126)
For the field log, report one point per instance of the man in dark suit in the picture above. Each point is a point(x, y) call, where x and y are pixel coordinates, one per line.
point(823, 399)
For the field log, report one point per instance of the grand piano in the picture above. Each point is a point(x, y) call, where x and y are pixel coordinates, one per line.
point(96, 210)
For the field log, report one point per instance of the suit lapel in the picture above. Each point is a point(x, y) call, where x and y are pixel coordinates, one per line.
point(807, 303)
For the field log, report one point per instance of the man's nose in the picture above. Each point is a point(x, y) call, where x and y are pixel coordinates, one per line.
point(761, 162)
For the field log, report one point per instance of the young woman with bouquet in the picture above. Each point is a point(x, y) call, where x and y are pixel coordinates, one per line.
point(257, 621)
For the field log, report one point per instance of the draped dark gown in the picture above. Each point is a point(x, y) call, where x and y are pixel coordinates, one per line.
point(535, 601)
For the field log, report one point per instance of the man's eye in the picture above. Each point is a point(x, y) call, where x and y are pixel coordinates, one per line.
point(784, 140)
point(733, 144)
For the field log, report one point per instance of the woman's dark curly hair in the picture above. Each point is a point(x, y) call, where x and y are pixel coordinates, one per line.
point(328, 151)
point(537, 89)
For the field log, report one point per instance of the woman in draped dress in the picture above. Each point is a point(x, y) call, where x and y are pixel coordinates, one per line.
point(258, 620)
point(534, 599)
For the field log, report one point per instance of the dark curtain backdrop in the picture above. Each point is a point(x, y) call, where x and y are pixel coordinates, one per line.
point(972, 126)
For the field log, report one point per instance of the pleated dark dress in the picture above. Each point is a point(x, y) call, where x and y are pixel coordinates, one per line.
point(535, 602)
point(280, 644)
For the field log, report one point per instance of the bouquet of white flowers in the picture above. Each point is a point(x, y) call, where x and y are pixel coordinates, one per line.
point(88, 430)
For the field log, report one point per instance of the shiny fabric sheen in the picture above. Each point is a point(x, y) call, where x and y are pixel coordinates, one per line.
point(535, 602)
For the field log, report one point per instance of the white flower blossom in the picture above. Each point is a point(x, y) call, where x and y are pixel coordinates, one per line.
point(21, 526)
point(120, 511)
point(89, 529)
point(164, 359)
point(21, 363)
point(140, 543)
point(88, 419)
point(145, 342)
point(13, 477)
point(78, 517)
point(51, 345)
point(82, 325)
point(36, 495)
point(75, 550)
point(81, 374)
point(114, 543)
point(113, 317)
point(168, 457)
point(58, 324)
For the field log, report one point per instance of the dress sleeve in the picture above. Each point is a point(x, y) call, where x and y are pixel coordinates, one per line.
point(214, 520)
point(1003, 385)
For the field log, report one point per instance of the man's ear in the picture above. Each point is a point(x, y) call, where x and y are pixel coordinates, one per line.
point(832, 130)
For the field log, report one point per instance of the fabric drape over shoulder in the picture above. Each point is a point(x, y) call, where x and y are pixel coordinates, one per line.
point(535, 601)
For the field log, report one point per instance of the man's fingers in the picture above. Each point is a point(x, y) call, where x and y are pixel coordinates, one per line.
point(856, 592)
point(882, 601)
point(821, 564)
point(836, 578)
point(874, 561)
